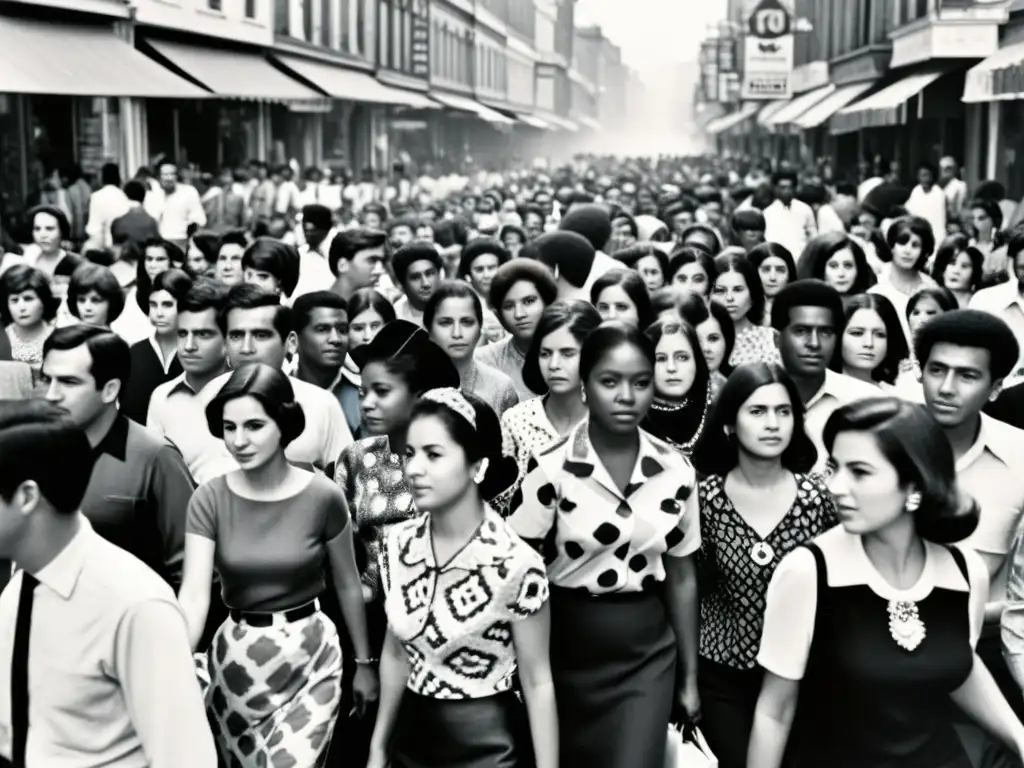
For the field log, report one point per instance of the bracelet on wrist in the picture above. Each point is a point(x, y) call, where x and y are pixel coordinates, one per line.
point(366, 662)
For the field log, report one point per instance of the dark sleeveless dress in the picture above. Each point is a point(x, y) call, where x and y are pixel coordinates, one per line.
point(865, 702)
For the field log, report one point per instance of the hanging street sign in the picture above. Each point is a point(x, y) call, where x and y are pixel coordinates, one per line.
point(768, 51)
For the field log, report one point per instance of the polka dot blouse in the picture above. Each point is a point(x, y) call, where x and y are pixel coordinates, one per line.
point(598, 537)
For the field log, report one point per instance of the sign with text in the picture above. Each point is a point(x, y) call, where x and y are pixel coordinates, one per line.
point(768, 51)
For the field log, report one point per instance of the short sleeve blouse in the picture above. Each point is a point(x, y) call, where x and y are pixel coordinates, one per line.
point(755, 344)
point(605, 540)
point(530, 429)
point(455, 619)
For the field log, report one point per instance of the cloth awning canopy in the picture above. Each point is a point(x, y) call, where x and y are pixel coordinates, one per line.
point(800, 105)
point(534, 122)
point(770, 110)
point(234, 74)
point(588, 122)
point(1000, 77)
point(561, 122)
point(464, 104)
point(81, 60)
point(724, 123)
point(352, 85)
point(885, 108)
point(824, 109)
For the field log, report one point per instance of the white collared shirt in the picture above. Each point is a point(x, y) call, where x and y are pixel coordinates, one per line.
point(111, 678)
point(1005, 302)
point(178, 210)
point(837, 391)
point(790, 226)
point(930, 206)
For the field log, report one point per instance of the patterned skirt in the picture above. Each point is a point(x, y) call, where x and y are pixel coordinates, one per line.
point(272, 693)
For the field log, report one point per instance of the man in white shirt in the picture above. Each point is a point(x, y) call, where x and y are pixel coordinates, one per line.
point(314, 254)
point(105, 204)
point(788, 221)
point(1006, 301)
point(953, 186)
point(94, 649)
point(179, 208)
point(928, 201)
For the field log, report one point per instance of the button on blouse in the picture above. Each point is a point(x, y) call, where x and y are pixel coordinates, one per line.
point(455, 619)
point(598, 537)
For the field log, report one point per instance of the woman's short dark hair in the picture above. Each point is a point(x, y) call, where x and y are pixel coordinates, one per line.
point(482, 442)
point(905, 226)
point(942, 296)
point(971, 328)
point(634, 287)
point(661, 328)
point(577, 316)
point(451, 289)
point(759, 253)
point(631, 256)
point(740, 264)
point(143, 285)
point(516, 271)
point(176, 282)
point(991, 209)
point(689, 254)
point(92, 277)
point(19, 279)
point(912, 441)
point(370, 298)
point(820, 249)
point(274, 392)
point(607, 336)
point(63, 225)
point(948, 252)
point(208, 244)
point(482, 246)
point(718, 454)
point(695, 235)
point(266, 254)
point(897, 349)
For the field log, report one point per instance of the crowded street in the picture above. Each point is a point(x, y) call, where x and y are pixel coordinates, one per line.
point(511, 384)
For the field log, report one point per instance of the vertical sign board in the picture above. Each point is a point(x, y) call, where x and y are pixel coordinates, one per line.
point(768, 51)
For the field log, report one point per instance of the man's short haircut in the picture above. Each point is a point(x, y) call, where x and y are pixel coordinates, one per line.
point(349, 242)
point(249, 296)
point(302, 309)
point(135, 191)
point(409, 254)
point(807, 293)
point(233, 237)
point(203, 295)
point(111, 358)
point(39, 444)
point(971, 328)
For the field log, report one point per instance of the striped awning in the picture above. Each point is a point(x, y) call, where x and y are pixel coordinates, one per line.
point(1000, 77)
point(726, 122)
point(887, 107)
point(799, 105)
point(824, 109)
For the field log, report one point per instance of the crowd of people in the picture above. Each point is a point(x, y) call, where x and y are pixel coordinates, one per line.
point(517, 469)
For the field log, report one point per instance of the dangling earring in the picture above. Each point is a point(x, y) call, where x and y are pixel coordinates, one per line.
point(482, 472)
point(583, 394)
point(913, 502)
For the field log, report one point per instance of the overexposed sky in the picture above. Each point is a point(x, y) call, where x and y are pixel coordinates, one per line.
point(653, 32)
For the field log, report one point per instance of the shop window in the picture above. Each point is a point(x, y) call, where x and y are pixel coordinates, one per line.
point(215, 5)
point(250, 9)
point(282, 17)
point(383, 33)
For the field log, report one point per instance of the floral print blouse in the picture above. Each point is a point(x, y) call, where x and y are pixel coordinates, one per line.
point(755, 344)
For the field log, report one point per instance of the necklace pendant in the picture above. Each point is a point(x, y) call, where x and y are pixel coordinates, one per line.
point(762, 553)
point(905, 625)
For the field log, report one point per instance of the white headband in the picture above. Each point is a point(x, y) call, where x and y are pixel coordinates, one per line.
point(454, 399)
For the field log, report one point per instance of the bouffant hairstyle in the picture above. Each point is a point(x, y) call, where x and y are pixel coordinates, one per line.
point(820, 249)
point(914, 444)
point(576, 315)
point(949, 251)
point(971, 328)
point(20, 279)
point(274, 392)
point(718, 454)
point(92, 277)
point(482, 246)
point(633, 285)
point(897, 349)
point(277, 259)
point(901, 230)
point(409, 254)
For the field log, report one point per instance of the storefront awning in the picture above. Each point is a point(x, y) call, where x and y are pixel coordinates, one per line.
point(987, 81)
point(800, 105)
point(234, 74)
point(534, 122)
point(588, 122)
point(724, 123)
point(561, 122)
point(352, 85)
point(885, 108)
point(769, 111)
point(824, 109)
point(464, 104)
point(81, 60)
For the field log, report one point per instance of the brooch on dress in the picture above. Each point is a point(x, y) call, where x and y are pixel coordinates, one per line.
point(762, 553)
point(905, 624)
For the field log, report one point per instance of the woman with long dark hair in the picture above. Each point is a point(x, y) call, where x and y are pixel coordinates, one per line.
point(620, 294)
point(737, 287)
point(758, 502)
point(840, 261)
point(873, 625)
point(439, 704)
point(368, 312)
point(682, 385)
point(616, 511)
point(276, 654)
point(872, 345)
point(776, 268)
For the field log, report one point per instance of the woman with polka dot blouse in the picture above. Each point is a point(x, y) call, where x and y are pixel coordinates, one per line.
point(616, 511)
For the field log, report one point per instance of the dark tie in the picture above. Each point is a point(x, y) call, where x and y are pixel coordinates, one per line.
point(19, 671)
